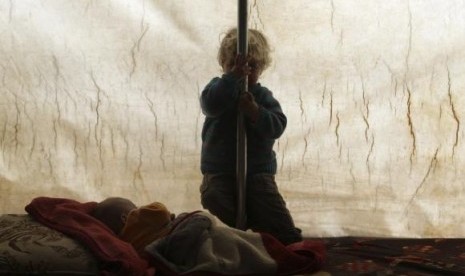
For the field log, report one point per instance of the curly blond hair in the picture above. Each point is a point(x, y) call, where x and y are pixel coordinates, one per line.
point(258, 49)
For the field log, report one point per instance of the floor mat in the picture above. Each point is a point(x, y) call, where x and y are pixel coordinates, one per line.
point(387, 256)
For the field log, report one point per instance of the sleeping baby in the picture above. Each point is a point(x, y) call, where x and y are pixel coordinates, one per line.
point(137, 226)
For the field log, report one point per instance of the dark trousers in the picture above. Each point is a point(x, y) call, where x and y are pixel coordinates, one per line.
point(265, 207)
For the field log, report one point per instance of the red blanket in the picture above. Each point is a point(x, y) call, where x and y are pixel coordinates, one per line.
point(73, 219)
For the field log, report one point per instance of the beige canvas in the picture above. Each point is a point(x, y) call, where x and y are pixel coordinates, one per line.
point(100, 98)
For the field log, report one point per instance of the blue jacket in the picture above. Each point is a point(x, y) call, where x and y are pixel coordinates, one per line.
point(219, 104)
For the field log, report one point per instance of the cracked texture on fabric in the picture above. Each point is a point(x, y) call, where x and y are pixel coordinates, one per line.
point(100, 98)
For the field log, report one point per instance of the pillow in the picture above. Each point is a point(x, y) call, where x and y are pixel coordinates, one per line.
point(29, 247)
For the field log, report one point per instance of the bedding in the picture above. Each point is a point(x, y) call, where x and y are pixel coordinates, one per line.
point(73, 218)
point(117, 257)
point(27, 247)
point(196, 245)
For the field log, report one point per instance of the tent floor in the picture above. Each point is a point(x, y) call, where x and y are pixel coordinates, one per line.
point(394, 256)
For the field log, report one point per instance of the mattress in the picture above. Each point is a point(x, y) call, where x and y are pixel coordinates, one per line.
point(28, 247)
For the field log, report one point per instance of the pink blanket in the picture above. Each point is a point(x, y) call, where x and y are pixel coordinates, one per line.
point(73, 219)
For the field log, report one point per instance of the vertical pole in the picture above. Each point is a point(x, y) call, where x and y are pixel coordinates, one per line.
point(241, 160)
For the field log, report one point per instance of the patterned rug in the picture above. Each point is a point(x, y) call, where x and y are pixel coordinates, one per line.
point(387, 256)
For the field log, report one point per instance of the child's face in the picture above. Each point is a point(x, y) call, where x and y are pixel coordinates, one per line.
point(255, 72)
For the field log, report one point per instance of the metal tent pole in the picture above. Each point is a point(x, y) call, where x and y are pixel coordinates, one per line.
point(241, 160)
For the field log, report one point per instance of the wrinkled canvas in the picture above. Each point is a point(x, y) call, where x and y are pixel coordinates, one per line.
point(100, 98)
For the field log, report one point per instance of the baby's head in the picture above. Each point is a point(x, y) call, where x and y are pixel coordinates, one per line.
point(113, 212)
point(258, 50)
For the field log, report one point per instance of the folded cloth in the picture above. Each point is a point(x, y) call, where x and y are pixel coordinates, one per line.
point(196, 245)
point(73, 219)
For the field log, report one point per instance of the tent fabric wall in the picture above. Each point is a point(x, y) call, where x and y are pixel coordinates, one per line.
point(100, 98)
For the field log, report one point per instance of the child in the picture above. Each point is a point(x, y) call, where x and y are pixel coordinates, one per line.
point(113, 212)
point(264, 122)
point(137, 226)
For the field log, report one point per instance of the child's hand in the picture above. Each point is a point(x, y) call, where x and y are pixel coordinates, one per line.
point(248, 106)
point(240, 68)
